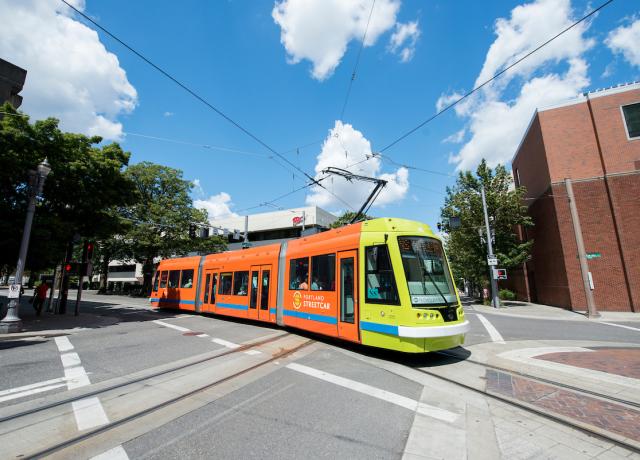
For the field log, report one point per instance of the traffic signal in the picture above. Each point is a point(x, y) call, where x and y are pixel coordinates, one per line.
point(71, 268)
point(500, 273)
point(192, 231)
point(90, 248)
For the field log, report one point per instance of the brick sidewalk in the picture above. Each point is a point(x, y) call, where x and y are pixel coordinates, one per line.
point(619, 361)
point(608, 416)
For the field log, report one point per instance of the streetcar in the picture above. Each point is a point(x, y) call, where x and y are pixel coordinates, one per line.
point(383, 282)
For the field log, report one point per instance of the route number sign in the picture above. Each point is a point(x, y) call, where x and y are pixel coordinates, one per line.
point(14, 291)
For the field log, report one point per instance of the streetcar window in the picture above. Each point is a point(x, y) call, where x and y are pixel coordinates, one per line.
point(174, 278)
point(225, 283)
point(323, 273)
point(156, 281)
point(240, 283)
point(206, 289)
point(299, 274)
point(381, 284)
point(187, 279)
point(264, 295)
point(214, 283)
point(253, 301)
point(163, 279)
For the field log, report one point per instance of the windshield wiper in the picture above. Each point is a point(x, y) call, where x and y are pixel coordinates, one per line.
point(425, 271)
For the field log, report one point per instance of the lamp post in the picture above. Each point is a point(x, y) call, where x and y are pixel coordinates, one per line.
point(494, 284)
point(11, 322)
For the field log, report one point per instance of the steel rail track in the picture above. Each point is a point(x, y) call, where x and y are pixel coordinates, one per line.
point(100, 391)
point(112, 425)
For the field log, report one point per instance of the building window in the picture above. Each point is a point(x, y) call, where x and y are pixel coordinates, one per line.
point(187, 279)
point(631, 115)
point(299, 274)
point(240, 283)
point(381, 284)
point(323, 273)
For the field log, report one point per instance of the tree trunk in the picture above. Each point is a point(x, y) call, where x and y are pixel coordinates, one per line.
point(147, 272)
point(104, 273)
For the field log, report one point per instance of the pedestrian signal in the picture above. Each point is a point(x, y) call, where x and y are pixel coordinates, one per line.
point(500, 273)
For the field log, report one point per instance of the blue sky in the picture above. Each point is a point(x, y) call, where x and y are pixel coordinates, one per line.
point(282, 71)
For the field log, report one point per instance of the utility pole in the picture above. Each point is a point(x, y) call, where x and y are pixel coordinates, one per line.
point(11, 322)
point(494, 283)
point(592, 311)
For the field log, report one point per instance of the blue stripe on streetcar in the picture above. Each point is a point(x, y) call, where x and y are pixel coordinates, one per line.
point(311, 316)
point(186, 302)
point(378, 327)
point(232, 306)
point(272, 311)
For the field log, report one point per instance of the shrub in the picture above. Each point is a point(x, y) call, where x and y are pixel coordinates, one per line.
point(506, 294)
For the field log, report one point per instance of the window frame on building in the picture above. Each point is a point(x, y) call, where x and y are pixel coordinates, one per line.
point(624, 121)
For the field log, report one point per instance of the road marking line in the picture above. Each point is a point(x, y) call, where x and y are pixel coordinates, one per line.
point(70, 359)
point(493, 332)
point(76, 377)
point(620, 325)
point(224, 343)
point(32, 386)
point(117, 453)
point(393, 398)
point(172, 326)
point(89, 413)
point(202, 335)
point(253, 352)
point(63, 344)
point(30, 392)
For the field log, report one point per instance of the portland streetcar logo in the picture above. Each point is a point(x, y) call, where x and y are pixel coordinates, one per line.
point(297, 300)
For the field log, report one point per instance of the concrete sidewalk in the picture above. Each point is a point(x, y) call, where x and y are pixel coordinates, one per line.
point(95, 311)
point(539, 311)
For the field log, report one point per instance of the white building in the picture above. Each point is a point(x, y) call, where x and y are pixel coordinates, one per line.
point(264, 228)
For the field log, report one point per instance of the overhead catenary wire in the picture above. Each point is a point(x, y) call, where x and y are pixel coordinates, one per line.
point(486, 82)
point(191, 92)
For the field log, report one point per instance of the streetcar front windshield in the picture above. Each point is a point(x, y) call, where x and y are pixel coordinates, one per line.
point(426, 270)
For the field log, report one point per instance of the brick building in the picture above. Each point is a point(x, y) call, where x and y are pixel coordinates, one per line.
point(594, 140)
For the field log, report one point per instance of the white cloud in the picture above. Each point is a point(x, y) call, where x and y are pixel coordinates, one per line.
point(498, 116)
point(626, 41)
point(404, 39)
point(343, 148)
point(197, 188)
point(447, 99)
point(70, 74)
point(497, 127)
point(456, 137)
point(320, 30)
point(217, 206)
point(168, 114)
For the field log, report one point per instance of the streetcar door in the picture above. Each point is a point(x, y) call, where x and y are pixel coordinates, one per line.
point(348, 296)
point(265, 292)
point(208, 293)
point(254, 291)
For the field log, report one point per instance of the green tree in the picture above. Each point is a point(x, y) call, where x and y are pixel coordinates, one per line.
point(161, 217)
point(79, 197)
point(345, 219)
point(466, 251)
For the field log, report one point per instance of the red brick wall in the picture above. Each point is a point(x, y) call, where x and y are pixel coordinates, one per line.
point(531, 163)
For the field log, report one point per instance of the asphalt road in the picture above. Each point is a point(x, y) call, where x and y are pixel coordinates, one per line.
point(337, 404)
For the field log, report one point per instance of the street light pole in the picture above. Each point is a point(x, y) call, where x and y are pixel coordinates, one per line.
point(494, 284)
point(11, 322)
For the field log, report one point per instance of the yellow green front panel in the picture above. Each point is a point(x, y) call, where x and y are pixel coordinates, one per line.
point(379, 323)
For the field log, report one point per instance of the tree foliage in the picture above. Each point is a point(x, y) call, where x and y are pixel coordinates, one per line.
point(466, 251)
point(345, 219)
point(160, 218)
point(80, 194)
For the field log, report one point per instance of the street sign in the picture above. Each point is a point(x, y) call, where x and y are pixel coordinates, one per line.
point(500, 273)
point(492, 261)
point(593, 255)
point(14, 291)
